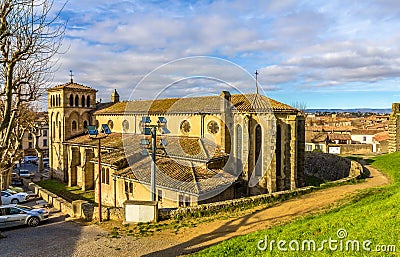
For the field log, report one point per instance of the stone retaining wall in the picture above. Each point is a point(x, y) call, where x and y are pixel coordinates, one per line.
point(88, 211)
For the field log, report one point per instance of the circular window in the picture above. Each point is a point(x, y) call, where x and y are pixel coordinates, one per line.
point(125, 125)
point(185, 127)
point(213, 127)
point(110, 124)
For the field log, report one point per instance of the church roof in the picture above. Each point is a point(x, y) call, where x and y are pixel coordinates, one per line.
point(181, 175)
point(71, 85)
point(210, 104)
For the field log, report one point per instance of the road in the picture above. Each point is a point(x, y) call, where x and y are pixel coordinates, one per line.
point(55, 237)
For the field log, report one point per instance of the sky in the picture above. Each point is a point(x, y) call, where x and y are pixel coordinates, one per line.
point(322, 54)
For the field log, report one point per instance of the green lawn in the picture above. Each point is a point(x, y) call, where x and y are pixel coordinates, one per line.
point(372, 215)
point(68, 193)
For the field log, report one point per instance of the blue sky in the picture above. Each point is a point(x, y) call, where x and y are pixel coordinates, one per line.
point(325, 54)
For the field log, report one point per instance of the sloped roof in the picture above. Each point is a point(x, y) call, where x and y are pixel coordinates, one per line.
point(185, 176)
point(338, 136)
point(211, 104)
point(71, 85)
point(365, 131)
point(191, 148)
point(316, 137)
point(382, 136)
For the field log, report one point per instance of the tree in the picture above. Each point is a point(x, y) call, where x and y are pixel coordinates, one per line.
point(30, 38)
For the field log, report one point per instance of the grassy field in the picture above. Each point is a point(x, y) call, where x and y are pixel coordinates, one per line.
point(371, 220)
point(68, 193)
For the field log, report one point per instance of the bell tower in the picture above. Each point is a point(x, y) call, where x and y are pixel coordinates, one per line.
point(69, 108)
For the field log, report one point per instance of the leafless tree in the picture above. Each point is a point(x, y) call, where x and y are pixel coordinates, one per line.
point(301, 106)
point(30, 38)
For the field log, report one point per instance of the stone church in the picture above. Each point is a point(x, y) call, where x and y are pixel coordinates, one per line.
point(219, 147)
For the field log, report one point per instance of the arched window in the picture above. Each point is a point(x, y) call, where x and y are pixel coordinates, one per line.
point(107, 176)
point(88, 101)
point(125, 125)
point(59, 100)
point(83, 101)
point(56, 100)
point(103, 175)
point(76, 100)
point(74, 125)
point(110, 124)
point(85, 124)
point(53, 131)
point(59, 129)
point(51, 101)
point(239, 148)
point(278, 151)
point(258, 151)
point(71, 100)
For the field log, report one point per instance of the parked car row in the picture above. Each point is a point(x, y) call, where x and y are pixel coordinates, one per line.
point(35, 159)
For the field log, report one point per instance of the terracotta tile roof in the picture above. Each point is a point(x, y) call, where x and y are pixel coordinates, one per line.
point(190, 148)
point(382, 136)
point(185, 176)
point(316, 137)
point(241, 103)
point(338, 136)
point(330, 128)
point(71, 85)
point(365, 131)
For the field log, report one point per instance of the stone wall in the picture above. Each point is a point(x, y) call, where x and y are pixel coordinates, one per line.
point(329, 167)
point(394, 135)
point(355, 149)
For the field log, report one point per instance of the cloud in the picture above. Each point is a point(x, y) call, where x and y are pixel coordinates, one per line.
point(318, 45)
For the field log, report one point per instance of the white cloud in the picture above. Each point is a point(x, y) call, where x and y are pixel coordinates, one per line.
point(318, 44)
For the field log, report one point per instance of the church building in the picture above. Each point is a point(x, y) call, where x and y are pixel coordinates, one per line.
point(218, 147)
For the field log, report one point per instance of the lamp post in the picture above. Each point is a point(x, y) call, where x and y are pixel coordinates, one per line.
point(94, 134)
point(152, 130)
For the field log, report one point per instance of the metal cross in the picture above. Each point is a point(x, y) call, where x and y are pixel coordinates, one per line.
point(256, 81)
point(71, 75)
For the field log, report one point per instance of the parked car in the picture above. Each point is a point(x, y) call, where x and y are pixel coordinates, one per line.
point(16, 215)
point(26, 174)
point(11, 197)
point(31, 159)
point(16, 179)
point(46, 162)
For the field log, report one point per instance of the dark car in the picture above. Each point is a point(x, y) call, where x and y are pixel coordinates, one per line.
point(16, 179)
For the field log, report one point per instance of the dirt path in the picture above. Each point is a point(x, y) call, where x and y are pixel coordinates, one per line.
point(190, 240)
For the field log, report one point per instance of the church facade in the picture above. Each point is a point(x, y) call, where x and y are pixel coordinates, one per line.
point(219, 147)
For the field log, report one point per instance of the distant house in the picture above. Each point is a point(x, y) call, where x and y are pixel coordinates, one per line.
point(365, 136)
point(337, 138)
point(316, 141)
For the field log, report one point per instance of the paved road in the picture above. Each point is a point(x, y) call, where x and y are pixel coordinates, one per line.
point(56, 237)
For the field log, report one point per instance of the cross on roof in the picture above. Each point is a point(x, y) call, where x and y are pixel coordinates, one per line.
point(256, 81)
point(71, 75)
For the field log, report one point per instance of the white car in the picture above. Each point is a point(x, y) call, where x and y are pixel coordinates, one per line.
point(26, 174)
point(16, 215)
point(14, 198)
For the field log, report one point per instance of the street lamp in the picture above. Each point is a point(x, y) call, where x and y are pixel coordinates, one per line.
point(94, 134)
point(152, 130)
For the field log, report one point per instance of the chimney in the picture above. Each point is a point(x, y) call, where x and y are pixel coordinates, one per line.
point(115, 96)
